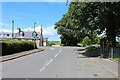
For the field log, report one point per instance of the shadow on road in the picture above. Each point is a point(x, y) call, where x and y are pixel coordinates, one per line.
point(88, 53)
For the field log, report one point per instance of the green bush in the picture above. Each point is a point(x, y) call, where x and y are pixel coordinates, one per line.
point(117, 59)
point(15, 46)
point(92, 51)
point(50, 44)
point(57, 43)
point(86, 41)
point(118, 45)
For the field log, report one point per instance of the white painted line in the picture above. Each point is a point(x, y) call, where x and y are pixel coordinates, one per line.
point(52, 48)
point(60, 50)
point(42, 69)
point(45, 65)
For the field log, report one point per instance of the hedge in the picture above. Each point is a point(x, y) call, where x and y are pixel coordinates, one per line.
point(92, 51)
point(15, 46)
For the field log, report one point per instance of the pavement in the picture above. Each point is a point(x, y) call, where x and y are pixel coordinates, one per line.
point(20, 54)
point(59, 62)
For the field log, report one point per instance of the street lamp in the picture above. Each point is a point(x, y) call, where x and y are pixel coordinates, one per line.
point(35, 23)
point(67, 2)
point(34, 34)
point(20, 32)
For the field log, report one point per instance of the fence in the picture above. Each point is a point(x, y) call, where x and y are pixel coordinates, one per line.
point(114, 52)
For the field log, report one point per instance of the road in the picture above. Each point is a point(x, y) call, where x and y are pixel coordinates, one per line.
point(59, 62)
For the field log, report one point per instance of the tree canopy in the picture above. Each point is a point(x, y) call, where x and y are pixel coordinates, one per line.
point(87, 19)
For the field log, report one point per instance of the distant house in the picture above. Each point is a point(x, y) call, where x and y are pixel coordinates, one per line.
point(4, 35)
point(45, 41)
point(28, 35)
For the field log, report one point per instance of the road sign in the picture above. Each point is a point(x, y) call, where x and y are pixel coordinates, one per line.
point(34, 34)
point(21, 33)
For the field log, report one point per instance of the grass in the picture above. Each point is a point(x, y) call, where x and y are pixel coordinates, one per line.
point(117, 59)
point(57, 43)
point(83, 51)
point(94, 45)
point(80, 44)
point(54, 43)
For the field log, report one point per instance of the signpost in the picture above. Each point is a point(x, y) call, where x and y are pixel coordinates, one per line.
point(34, 34)
point(21, 33)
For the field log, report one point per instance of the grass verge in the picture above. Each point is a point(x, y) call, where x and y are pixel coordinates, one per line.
point(117, 59)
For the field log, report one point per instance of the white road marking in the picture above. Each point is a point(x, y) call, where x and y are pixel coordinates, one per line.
point(45, 65)
point(60, 50)
point(52, 48)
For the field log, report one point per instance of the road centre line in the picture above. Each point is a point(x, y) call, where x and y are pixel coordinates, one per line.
point(45, 65)
point(52, 48)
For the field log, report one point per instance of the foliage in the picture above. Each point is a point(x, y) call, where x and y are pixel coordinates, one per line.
point(118, 45)
point(88, 19)
point(50, 43)
point(57, 43)
point(86, 41)
point(92, 51)
point(15, 46)
point(117, 59)
point(92, 40)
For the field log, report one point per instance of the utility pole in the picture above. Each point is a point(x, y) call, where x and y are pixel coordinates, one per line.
point(67, 2)
point(12, 29)
point(34, 27)
point(41, 36)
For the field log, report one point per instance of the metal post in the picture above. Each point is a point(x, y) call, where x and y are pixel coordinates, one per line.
point(34, 26)
point(12, 29)
point(112, 53)
point(41, 36)
point(109, 56)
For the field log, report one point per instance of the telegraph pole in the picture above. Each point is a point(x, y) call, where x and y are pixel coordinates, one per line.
point(12, 29)
point(34, 27)
point(41, 36)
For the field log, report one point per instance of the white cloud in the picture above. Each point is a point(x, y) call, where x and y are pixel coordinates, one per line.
point(17, 17)
point(1, 24)
point(7, 30)
point(34, 1)
point(28, 29)
point(48, 31)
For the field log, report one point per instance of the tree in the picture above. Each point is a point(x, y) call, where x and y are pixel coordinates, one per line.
point(69, 30)
point(86, 41)
point(84, 19)
point(104, 17)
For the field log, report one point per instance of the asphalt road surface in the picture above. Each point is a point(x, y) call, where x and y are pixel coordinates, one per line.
point(59, 62)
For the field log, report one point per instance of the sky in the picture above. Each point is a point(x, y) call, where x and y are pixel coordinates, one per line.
point(25, 14)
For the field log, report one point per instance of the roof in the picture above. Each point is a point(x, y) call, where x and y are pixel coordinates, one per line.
point(27, 35)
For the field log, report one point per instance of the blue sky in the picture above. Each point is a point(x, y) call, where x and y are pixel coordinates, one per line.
point(26, 13)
